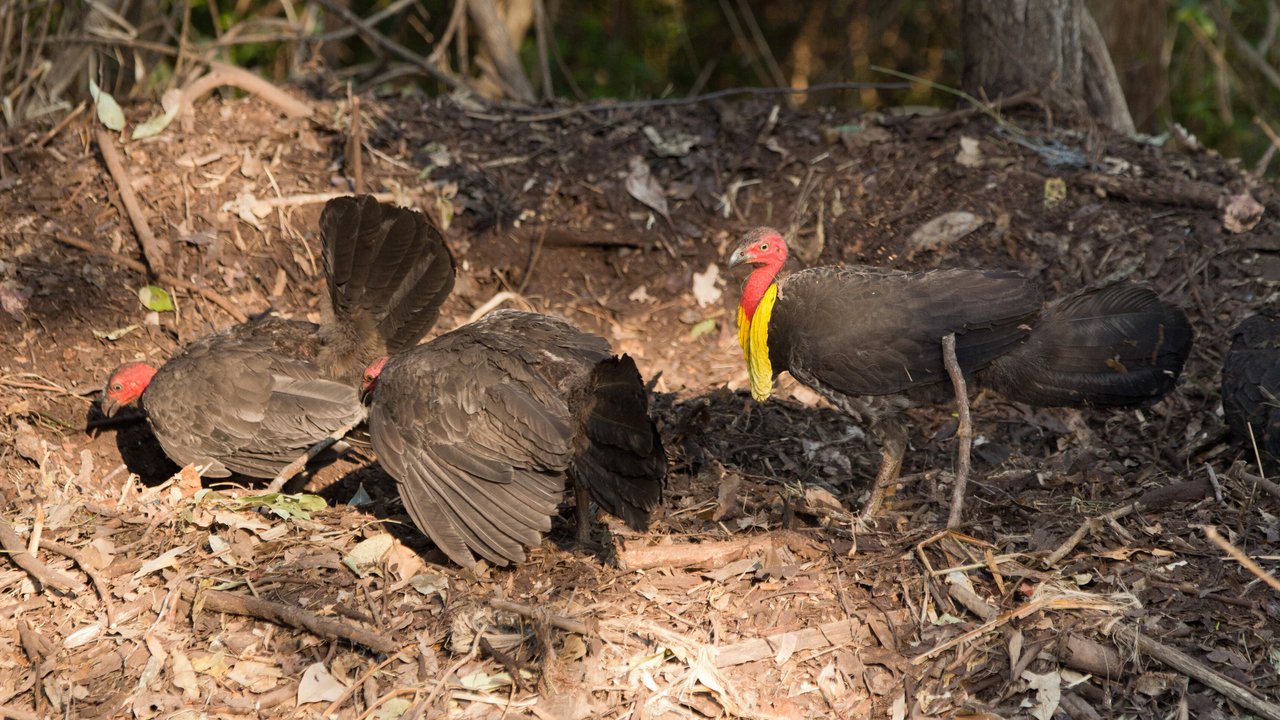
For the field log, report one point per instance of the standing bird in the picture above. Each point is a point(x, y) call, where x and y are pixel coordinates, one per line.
point(1251, 388)
point(263, 397)
point(854, 332)
point(482, 426)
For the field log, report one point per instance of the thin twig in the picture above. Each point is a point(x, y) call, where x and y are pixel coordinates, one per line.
point(208, 294)
point(964, 433)
point(87, 568)
point(151, 248)
point(542, 615)
point(355, 141)
point(359, 683)
point(296, 617)
point(1238, 555)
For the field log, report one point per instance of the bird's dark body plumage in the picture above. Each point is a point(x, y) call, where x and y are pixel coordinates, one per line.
point(482, 426)
point(1251, 388)
point(254, 397)
point(857, 331)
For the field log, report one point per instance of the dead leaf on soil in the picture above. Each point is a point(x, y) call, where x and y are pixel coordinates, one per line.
point(367, 555)
point(943, 230)
point(1242, 213)
point(1048, 689)
point(184, 676)
point(160, 563)
point(676, 144)
point(13, 298)
point(969, 155)
point(643, 186)
point(317, 685)
point(704, 285)
point(256, 676)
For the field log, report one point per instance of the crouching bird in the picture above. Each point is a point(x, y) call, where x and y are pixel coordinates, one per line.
point(870, 340)
point(263, 397)
point(482, 426)
point(1251, 388)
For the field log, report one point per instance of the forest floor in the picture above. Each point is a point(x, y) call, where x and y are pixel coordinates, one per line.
point(1083, 562)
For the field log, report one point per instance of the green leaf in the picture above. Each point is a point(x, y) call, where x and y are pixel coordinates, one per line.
point(171, 102)
point(285, 506)
point(109, 111)
point(702, 328)
point(155, 298)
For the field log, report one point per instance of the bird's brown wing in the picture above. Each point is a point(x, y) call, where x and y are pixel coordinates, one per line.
point(242, 407)
point(864, 331)
point(1251, 386)
point(389, 272)
point(478, 443)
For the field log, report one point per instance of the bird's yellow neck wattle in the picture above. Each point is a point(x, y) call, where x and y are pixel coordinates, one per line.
point(753, 336)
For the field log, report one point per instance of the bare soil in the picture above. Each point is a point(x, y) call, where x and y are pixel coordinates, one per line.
point(753, 594)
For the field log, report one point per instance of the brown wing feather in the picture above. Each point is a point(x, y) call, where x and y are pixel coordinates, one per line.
point(1251, 387)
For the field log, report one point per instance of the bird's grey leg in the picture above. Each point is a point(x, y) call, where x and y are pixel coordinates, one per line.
point(584, 510)
point(295, 467)
point(893, 447)
point(964, 433)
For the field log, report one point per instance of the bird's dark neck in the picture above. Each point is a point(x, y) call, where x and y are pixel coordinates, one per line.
point(757, 284)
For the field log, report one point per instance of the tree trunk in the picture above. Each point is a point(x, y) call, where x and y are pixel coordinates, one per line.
point(493, 32)
point(1134, 31)
point(1049, 46)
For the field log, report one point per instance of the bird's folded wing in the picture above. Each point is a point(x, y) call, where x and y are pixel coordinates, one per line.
point(479, 446)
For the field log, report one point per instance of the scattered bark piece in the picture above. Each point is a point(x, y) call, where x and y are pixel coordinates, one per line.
point(1238, 555)
point(1155, 192)
point(542, 615)
point(703, 555)
point(1085, 655)
point(833, 634)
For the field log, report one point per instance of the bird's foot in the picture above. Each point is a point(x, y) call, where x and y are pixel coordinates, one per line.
point(299, 463)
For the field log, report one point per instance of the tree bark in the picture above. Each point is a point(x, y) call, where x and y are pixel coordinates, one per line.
point(493, 31)
point(1049, 46)
point(1135, 35)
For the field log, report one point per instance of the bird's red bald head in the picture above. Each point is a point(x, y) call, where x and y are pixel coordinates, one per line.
point(371, 374)
point(761, 247)
point(125, 386)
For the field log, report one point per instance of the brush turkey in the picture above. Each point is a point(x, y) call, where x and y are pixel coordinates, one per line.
point(482, 427)
point(262, 397)
point(1251, 389)
point(870, 340)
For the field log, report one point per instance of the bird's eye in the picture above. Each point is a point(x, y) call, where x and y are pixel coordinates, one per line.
point(116, 387)
point(764, 246)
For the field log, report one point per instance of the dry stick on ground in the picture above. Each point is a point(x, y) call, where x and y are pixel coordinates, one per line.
point(542, 615)
point(1264, 484)
point(839, 633)
point(17, 552)
point(151, 247)
point(220, 75)
point(359, 683)
point(1238, 555)
point(234, 604)
point(98, 583)
point(964, 433)
point(1130, 638)
point(704, 555)
point(138, 267)
point(1192, 490)
point(1184, 192)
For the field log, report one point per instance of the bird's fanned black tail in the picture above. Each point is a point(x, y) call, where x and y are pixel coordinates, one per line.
point(622, 462)
point(389, 271)
point(1116, 345)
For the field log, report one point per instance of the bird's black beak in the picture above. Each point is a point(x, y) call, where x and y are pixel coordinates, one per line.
point(109, 407)
point(739, 257)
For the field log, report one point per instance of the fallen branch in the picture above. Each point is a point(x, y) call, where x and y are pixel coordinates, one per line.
point(1194, 669)
point(210, 295)
point(220, 75)
point(1264, 484)
point(151, 248)
point(1195, 194)
point(1238, 555)
point(543, 615)
point(280, 614)
point(17, 552)
point(1085, 655)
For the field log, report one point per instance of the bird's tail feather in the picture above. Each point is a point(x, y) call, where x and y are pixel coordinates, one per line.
point(622, 464)
point(1115, 345)
point(389, 271)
